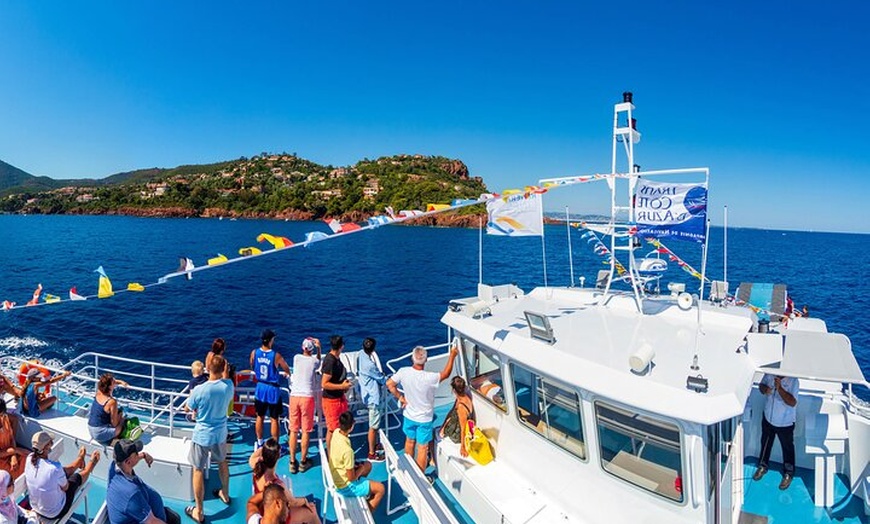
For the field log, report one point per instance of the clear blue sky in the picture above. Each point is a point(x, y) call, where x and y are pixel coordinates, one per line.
point(772, 96)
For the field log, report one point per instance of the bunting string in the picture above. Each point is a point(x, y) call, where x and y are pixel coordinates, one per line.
point(187, 268)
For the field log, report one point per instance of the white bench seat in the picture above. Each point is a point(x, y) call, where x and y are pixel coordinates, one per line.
point(506, 493)
point(347, 509)
point(422, 497)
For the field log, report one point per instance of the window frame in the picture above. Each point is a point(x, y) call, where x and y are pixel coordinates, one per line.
point(655, 420)
point(545, 379)
point(493, 356)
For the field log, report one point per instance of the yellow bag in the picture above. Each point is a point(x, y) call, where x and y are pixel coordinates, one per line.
point(477, 445)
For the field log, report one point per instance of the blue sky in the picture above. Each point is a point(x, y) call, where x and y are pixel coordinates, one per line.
point(770, 95)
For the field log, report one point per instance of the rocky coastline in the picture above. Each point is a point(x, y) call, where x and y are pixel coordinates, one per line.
point(438, 220)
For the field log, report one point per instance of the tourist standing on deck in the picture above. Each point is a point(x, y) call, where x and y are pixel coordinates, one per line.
point(52, 487)
point(267, 396)
point(778, 421)
point(346, 472)
point(209, 402)
point(128, 499)
point(335, 384)
point(302, 385)
point(418, 401)
point(371, 381)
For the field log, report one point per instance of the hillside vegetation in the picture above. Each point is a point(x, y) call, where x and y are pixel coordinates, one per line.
point(267, 185)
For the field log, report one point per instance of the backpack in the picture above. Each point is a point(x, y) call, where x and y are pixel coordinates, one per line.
point(452, 429)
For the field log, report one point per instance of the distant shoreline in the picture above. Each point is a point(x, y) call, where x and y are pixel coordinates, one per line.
point(469, 221)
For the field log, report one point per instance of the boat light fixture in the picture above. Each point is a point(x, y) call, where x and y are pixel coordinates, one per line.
point(697, 383)
point(640, 360)
point(539, 326)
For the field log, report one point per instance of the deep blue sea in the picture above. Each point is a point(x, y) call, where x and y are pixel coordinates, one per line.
point(392, 283)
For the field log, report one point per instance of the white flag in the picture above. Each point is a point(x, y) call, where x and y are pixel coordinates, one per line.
point(518, 215)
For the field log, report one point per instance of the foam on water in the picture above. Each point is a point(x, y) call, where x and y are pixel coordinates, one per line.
point(19, 344)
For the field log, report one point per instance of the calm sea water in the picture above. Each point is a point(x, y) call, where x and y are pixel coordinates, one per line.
point(392, 283)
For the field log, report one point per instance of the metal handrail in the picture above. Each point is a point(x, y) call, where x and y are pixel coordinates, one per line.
point(154, 392)
point(410, 353)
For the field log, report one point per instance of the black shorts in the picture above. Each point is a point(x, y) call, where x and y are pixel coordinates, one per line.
point(273, 410)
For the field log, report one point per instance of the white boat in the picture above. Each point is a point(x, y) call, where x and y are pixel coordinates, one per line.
point(613, 406)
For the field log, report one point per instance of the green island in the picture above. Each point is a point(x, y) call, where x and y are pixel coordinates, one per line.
point(267, 185)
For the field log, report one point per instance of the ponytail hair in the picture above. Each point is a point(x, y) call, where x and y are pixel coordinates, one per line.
point(270, 453)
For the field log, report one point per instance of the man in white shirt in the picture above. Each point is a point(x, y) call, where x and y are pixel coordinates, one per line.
point(418, 401)
point(778, 422)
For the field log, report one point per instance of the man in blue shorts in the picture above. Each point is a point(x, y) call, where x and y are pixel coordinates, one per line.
point(418, 401)
point(267, 396)
point(346, 473)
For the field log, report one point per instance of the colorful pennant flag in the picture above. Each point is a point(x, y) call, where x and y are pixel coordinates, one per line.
point(661, 248)
point(601, 250)
point(220, 259)
point(35, 300)
point(7, 305)
point(51, 299)
point(248, 251)
point(135, 286)
point(278, 242)
point(379, 220)
point(315, 236)
point(338, 227)
point(105, 286)
point(73, 294)
point(436, 207)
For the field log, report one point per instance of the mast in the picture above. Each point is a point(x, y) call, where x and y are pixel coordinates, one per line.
point(624, 132)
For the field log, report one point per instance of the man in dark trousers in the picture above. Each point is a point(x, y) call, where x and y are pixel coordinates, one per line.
point(778, 422)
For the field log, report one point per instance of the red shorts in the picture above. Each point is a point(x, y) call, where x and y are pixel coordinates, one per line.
point(301, 413)
point(332, 409)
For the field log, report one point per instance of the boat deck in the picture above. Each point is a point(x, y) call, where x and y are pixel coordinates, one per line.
point(308, 484)
point(795, 505)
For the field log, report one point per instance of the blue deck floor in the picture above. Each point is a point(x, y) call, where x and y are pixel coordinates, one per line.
point(795, 505)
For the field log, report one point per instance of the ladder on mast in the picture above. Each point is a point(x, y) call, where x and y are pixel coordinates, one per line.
point(624, 132)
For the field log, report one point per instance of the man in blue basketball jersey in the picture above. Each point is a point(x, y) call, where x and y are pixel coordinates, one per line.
point(267, 397)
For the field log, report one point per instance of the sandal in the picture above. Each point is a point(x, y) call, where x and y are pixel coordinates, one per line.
point(217, 493)
point(189, 512)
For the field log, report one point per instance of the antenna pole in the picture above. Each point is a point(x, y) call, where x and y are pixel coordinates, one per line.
point(725, 254)
point(543, 242)
point(570, 253)
point(480, 249)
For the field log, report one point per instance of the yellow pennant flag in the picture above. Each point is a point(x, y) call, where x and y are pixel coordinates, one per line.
point(135, 286)
point(105, 288)
point(220, 259)
point(248, 251)
point(436, 207)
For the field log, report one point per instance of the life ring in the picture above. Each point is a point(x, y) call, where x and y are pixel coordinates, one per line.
point(244, 378)
point(34, 364)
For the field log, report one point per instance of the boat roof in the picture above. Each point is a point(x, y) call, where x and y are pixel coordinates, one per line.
point(596, 335)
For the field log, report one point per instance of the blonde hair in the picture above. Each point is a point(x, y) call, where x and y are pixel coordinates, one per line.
point(197, 367)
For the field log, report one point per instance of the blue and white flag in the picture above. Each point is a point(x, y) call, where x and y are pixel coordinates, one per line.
point(668, 210)
point(517, 215)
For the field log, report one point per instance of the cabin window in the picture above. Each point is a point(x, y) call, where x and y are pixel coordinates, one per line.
point(483, 369)
point(640, 449)
point(549, 409)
